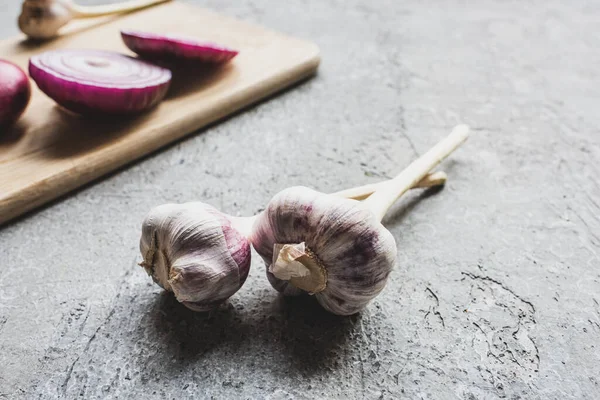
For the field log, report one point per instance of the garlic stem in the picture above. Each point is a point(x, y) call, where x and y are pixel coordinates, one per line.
point(109, 9)
point(362, 192)
point(244, 224)
point(383, 198)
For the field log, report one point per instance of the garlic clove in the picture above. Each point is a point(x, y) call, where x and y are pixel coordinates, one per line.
point(192, 250)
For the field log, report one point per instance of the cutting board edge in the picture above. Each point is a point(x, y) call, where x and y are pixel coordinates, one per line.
point(16, 204)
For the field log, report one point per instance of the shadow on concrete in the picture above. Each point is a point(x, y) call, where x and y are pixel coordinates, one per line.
point(187, 335)
point(297, 332)
point(399, 211)
point(311, 338)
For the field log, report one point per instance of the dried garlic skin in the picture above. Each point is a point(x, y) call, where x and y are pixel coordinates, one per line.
point(356, 251)
point(192, 250)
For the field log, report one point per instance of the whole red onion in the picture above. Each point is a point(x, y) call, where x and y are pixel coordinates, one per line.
point(15, 92)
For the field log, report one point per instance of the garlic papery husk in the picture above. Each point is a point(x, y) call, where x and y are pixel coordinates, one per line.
point(194, 251)
point(334, 248)
point(346, 251)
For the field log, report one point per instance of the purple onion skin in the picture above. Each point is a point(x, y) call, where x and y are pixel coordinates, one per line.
point(15, 93)
point(177, 49)
point(87, 94)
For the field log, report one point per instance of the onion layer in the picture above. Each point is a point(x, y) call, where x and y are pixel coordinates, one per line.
point(173, 47)
point(15, 92)
point(99, 82)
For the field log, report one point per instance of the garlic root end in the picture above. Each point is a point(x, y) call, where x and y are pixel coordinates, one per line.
point(299, 265)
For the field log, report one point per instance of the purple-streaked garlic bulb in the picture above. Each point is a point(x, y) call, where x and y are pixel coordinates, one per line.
point(194, 251)
point(176, 48)
point(203, 255)
point(94, 82)
point(330, 247)
point(337, 249)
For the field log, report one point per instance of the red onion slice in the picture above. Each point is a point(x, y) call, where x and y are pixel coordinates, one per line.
point(174, 47)
point(99, 82)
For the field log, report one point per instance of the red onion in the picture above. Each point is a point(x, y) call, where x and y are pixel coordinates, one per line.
point(99, 82)
point(15, 92)
point(174, 47)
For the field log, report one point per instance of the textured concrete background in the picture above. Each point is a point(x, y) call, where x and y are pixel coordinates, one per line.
point(497, 290)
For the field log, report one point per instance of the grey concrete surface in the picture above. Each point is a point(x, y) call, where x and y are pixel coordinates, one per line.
point(497, 289)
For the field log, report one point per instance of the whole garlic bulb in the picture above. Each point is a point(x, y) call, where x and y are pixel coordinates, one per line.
point(43, 19)
point(194, 251)
point(337, 249)
point(330, 247)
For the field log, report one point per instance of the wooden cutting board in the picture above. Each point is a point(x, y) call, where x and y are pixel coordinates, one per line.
point(51, 152)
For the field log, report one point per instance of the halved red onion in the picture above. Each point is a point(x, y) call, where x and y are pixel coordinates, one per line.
point(175, 47)
point(99, 82)
point(15, 92)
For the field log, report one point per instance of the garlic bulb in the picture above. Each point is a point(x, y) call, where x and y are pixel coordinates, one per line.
point(330, 247)
point(42, 19)
point(337, 249)
point(194, 251)
point(203, 255)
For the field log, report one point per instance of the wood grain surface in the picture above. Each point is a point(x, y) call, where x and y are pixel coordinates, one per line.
point(50, 151)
